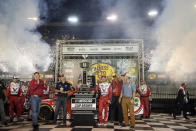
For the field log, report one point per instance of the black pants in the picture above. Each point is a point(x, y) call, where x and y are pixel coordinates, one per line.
point(116, 110)
point(180, 107)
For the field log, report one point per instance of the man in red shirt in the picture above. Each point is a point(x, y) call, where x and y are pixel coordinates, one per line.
point(116, 109)
point(14, 93)
point(36, 91)
point(144, 92)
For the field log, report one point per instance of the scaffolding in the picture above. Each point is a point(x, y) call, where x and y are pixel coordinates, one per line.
point(100, 50)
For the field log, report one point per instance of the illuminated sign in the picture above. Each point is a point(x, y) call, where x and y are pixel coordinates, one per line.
point(103, 70)
point(152, 76)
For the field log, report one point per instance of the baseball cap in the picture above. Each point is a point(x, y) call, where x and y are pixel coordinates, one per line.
point(36, 73)
point(14, 77)
point(62, 75)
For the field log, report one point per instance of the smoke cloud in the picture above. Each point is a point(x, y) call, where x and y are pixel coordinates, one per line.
point(21, 47)
point(130, 21)
point(175, 32)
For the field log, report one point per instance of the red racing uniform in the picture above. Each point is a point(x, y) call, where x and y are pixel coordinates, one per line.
point(73, 90)
point(106, 95)
point(46, 92)
point(23, 97)
point(144, 92)
point(14, 93)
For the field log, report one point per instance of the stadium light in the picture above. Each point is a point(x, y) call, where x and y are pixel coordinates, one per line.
point(153, 13)
point(33, 18)
point(73, 19)
point(112, 17)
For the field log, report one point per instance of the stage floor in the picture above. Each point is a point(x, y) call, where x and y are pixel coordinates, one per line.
point(157, 122)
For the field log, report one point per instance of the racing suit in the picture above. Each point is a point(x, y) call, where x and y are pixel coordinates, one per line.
point(144, 92)
point(106, 95)
point(23, 97)
point(14, 93)
point(46, 92)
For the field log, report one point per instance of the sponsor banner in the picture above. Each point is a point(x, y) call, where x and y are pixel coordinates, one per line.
point(100, 49)
point(103, 70)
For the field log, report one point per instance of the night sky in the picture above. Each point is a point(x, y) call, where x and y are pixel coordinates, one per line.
point(92, 18)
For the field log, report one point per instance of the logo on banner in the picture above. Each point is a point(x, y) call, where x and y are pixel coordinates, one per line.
point(103, 70)
point(138, 108)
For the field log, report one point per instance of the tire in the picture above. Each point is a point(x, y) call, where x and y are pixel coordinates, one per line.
point(46, 112)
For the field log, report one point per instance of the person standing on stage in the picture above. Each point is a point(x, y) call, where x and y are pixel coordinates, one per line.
point(14, 93)
point(46, 91)
point(145, 93)
point(63, 88)
point(181, 101)
point(127, 96)
point(36, 88)
point(104, 100)
point(116, 108)
point(24, 95)
point(2, 100)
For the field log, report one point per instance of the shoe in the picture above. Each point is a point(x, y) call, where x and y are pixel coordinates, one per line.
point(35, 127)
point(20, 120)
point(141, 117)
point(100, 124)
point(64, 123)
point(105, 124)
point(187, 118)
point(132, 127)
point(11, 120)
point(123, 125)
point(54, 122)
point(5, 123)
point(146, 117)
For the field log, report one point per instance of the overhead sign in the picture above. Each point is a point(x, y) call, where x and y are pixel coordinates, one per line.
point(100, 49)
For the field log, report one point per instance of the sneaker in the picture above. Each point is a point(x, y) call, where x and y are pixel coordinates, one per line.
point(100, 124)
point(105, 124)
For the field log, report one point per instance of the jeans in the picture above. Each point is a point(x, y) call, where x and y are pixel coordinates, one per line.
point(35, 107)
point(2, 113)
point(61, 101)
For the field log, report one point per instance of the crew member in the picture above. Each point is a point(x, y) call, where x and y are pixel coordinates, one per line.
point(3, 93)
point(63, 89)
point(116, 109)
point(104, 100)
point(144, 92)
point(24, 95)
point(127, 96)
point(46, 91)
point(14, 93)
point(36, 88)
point(181, 101)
